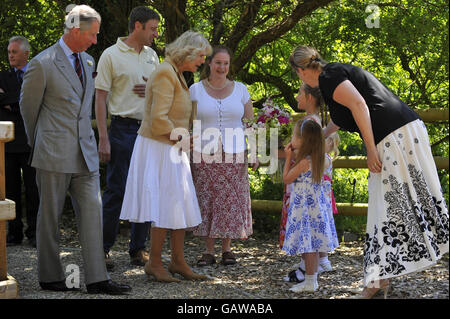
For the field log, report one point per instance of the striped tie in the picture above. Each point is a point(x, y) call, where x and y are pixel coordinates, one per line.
point(78, 67)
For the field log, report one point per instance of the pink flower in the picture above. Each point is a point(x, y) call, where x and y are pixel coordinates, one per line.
point(274, 112)
point(262, 119)
point(283, 120)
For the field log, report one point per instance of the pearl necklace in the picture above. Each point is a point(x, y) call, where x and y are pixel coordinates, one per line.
point(216, 88)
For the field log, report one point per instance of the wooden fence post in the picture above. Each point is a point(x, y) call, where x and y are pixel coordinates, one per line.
point(8, 285)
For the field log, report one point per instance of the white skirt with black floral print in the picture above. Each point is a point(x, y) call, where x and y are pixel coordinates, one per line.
point(407, 222)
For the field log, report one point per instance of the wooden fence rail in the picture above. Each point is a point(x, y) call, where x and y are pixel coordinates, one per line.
point(427, 115)
point(361, 162)
point(345, 209)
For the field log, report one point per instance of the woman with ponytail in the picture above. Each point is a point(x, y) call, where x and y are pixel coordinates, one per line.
point(407, 222)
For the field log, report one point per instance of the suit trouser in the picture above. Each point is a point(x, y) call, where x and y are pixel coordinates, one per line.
point(14, 164)
point(84, 190)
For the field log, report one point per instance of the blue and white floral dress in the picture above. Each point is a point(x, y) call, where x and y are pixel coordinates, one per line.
point(310, 224)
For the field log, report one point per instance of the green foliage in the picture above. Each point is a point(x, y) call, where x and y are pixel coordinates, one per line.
point(263, 187)
point(266, 225)
point(351, 144)
point(41, 22)
point(350, 185)
point(352, 224)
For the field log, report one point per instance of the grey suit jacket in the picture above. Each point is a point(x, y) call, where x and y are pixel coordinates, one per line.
point(57, 112)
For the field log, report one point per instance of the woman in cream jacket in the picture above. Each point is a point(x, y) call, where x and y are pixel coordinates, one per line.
point(159, 185)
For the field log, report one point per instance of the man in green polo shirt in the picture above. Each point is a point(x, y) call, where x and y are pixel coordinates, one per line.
point(122, 71)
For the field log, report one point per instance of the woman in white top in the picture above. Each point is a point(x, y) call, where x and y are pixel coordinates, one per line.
point(220, 166)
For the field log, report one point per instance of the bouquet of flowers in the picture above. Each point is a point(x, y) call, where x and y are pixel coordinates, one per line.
point(271, 124)
point(273, 116)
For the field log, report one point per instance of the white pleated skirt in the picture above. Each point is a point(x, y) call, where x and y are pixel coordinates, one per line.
point(407, 221)
point(159, 187)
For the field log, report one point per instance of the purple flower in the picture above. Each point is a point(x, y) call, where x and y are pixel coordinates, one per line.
point(274, 112)
point(283, 120)
point(262, 119)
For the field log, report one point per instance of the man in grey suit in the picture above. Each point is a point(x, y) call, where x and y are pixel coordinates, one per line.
point(56, 105)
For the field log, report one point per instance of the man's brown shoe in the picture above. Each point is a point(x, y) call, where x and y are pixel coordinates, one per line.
point(139, 258)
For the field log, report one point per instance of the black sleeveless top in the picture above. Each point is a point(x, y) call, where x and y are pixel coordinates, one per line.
point(387, 111)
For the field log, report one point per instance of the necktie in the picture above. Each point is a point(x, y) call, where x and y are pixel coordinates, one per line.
point(78, 67)
point(19, 76)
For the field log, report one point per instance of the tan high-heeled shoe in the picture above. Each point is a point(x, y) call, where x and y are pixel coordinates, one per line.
point(165, 278)
point(173, 269)
point(370, 293)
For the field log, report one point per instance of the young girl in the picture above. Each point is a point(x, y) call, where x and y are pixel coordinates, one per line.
point(310, 100)
point(310, 226)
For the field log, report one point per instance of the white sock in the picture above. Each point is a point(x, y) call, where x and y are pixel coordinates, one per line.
point(323, 260)
point(309, 285)
point(311, 279)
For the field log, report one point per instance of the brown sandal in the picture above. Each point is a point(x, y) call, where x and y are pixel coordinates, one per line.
point(228, 258)
point(206, 260)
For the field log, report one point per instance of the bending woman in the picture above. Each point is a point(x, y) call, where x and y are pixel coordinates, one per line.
point(407, 222)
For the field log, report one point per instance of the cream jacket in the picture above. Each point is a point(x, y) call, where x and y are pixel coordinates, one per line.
point(167, 103)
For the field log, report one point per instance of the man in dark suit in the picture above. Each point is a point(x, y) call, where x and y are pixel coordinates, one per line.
point(17, 152)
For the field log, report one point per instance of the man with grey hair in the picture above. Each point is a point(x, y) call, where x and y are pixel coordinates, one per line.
point(17, 151)
point(56, 105)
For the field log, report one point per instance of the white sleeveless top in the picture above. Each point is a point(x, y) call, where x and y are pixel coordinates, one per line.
point(221, 119)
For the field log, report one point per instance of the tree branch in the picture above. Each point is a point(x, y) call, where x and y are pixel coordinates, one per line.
point(245, 24)
point(218, 27)
point(176, 20)
point(301, 10)
point(286, 91)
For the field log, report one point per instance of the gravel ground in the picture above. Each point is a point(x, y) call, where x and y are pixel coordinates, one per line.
point(257, 275)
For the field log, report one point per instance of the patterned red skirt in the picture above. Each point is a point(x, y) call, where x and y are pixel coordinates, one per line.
point(223, 194)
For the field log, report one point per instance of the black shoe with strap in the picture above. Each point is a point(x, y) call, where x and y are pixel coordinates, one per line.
point(292, 276)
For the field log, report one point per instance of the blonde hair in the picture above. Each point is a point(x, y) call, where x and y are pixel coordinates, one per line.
point(334, 140)
point(81, 16)
point(187, 46)
point(305, 57)
point(312, 145)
